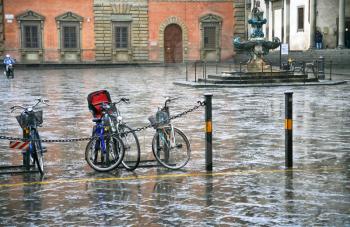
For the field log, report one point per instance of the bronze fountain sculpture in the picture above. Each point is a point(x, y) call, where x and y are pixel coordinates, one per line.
point(257, 46)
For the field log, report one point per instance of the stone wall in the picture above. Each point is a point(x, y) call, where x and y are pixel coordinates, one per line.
point(326, 20)
point(50, 49)
point(105, 11)
point(1, 27)
point(340, 57)
point(239, 17)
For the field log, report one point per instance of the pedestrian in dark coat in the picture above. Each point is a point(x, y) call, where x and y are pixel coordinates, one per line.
point(318, 39)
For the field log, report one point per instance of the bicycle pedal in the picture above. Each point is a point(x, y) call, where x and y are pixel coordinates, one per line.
point(127, 147)
point(178, 146)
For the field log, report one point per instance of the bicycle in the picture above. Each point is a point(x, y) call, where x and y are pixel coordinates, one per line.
point(131, 143)
point(30, 120)
point(170, 145)
point(293, 66)
point(104, 151)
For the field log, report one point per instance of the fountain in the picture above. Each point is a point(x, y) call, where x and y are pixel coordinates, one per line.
point(256, 72)
point(257, 46)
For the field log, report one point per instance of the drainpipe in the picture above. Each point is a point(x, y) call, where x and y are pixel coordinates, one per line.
point(312, 23)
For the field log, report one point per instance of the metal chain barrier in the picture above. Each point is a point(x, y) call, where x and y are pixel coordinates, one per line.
point(200, 104)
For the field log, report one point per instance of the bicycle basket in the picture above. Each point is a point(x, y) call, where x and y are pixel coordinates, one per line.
point(38, 117)
point(161, 118)
point(95, 99)
point(32, 119)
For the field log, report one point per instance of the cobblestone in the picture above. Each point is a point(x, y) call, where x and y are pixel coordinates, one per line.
point(249, 185)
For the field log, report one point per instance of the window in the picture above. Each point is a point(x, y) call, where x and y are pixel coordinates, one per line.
point(31, 25)
point(301, 19)
point(121, 35)
point(210, 28)
point(209, 37)
point(69, 26)
point(70, 36)
point(30, 36)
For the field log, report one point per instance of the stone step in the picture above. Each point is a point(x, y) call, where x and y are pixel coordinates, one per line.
point(266, 76)
point(258, 81)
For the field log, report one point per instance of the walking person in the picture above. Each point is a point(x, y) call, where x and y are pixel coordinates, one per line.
point(318, 39)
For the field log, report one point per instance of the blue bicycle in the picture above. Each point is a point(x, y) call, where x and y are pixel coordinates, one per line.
point(29, 120)
point(105, 151)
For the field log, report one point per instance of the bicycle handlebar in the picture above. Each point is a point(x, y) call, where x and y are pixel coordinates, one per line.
point(39, 100)
point(168, 99)
point(124, 100)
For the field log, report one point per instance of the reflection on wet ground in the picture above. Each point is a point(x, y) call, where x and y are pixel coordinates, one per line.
point(249, 185)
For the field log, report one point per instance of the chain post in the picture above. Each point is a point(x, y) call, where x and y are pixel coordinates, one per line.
point(288, 125)
point(208, 133)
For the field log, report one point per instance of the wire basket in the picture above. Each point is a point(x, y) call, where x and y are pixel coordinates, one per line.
point(161, 118)
point(34, 118)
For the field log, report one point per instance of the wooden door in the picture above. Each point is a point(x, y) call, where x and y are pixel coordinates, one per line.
point(173, 44)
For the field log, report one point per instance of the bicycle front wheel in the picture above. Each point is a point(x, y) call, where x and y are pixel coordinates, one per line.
point(105, 157)
point(37, 151)
point(172, 151)
point(131, 146)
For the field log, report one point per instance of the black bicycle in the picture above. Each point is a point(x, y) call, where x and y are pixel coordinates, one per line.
point(170, 145)
point(30, 119)
point(131, 143)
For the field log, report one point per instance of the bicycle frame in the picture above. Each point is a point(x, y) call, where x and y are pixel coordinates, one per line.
point(100, 131)
point(102, 127)
point(167, 138)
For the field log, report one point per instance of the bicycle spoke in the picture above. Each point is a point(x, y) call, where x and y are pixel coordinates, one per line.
point(173, 157)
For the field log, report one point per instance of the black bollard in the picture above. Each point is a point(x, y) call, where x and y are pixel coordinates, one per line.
point(288, 125)
point(208, 133)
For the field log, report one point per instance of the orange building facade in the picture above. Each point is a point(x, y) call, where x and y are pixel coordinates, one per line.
point(41, 31)
point(190, 30)
point(66, 31)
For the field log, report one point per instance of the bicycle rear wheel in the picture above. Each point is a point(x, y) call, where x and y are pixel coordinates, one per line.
point(107, 160)
point(131, 146)
point(37, 151)
point(171, 152)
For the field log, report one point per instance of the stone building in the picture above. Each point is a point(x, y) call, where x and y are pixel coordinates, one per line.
point(1, 28)
point(120, 31)
point(59, 31)
point(190, 30)
point(295, 22)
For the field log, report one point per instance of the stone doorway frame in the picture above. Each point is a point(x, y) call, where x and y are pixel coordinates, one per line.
point(179, 22)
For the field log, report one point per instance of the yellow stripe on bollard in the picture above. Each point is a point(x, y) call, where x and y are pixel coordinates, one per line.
point(288, 124)
point(208, 126)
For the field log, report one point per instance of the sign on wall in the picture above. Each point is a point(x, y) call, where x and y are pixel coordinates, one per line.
point(9, 18)
point(284, 49)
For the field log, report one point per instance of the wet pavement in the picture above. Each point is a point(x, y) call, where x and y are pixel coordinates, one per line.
point(249, 185)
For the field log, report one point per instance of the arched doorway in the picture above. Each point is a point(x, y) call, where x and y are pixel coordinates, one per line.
point(173, 44)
